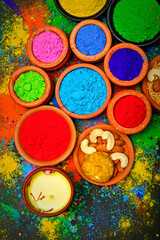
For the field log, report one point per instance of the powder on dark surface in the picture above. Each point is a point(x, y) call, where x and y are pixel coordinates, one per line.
point(45, 135)
point(90, 40)
point(126, 64)
point(137, 20)
point(83, 91)
point(47, 46)
point(130, 111)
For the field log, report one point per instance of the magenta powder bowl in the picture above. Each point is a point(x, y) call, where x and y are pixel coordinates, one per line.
point(47, 46)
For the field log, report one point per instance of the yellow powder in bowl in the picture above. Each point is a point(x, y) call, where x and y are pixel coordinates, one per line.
point(82, 8)
point(98, 166)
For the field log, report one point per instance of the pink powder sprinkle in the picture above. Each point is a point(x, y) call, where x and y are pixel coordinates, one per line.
point(47, 46)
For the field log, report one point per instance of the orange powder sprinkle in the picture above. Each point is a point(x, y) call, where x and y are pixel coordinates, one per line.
point(72, 168)
point(10, 113)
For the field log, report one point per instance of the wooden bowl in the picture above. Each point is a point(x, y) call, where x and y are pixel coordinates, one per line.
point(144, 84)
point(57, 160)
point(122, 82)
point(46, 95)
point(63, 58)
point(89, 58)
point(48, 169)
point(76, 66)
point(116, 98)
point(79, 156)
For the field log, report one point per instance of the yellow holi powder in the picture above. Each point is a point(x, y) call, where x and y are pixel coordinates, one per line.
point(4, 85)
point(125, 223)
point(157, 177)
point(8, 165)
point(49, 229)
point(82, 8)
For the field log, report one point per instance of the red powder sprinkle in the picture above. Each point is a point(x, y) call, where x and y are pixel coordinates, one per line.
point(129, 111)
point(45, 135)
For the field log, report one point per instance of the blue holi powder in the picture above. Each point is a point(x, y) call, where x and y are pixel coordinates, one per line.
point(90, 40)
point(83, 91)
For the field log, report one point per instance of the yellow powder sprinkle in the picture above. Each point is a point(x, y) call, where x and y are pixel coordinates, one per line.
point(125, 223)
point(48, 229)
point(157, 177)
point(82, 8)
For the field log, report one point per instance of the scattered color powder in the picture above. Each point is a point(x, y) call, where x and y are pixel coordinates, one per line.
point(83, 91)
point(45, 135)
point(30, 86)
point(47, 46)
point(137, 21)
point(90, 40)
point(126, 64)
point(129, 111)
point(83, 8)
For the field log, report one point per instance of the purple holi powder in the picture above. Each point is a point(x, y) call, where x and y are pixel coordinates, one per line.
point(47, 46)
point(126, 64)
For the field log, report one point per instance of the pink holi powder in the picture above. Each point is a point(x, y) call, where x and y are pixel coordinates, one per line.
point(47, 46)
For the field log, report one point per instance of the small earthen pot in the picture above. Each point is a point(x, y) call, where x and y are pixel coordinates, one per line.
point(76, 66)
point(122, 144)
point(144, 84)
point(57, 160)
point(89, 58)
point(34, 202)
point(42, 100)
point(122, 82)
point(63, 58)
point(116, 98)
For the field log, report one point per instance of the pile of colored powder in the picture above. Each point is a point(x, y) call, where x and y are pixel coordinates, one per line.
point(90, 40)
point(126, 64)
point(45, 135)
point(47, 46)
point(83, 91)
point(30, 86)
point(130, 111)
point(137, 20)
point(83, 8)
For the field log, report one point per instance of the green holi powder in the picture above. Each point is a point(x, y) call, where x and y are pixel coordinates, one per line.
point(30, 86)
point(137, 20)
point(58, 20)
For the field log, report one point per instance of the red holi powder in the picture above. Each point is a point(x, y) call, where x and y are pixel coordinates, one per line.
point(45, 135)
point(10, 112)
point(130, 111)
point(72, 168)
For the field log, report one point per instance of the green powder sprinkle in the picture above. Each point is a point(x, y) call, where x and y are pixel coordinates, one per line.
point(137, 20)
point(30, 86)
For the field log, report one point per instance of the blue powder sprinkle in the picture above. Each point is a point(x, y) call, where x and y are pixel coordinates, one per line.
point(83, 91)
point(126, 64)
point(90, 40)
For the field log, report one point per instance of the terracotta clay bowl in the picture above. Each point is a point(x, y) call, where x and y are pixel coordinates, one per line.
point(90, 58)
point(144, 84)
point(63, 58)
point(76, 66)
point(122, 82)
point(47, 170)
point(128, 150)
point(116, 98)
point(60, 158)
point(42, 100)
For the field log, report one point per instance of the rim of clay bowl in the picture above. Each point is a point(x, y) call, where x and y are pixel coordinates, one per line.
point(54, 169)
point(117, 35)
point(43, 99)
point(90, 58)
point(78, 19)
point(144, 84)
point(77, 152)
point(62, 58)
point(57, 160)
point(116, 98)
point(122, 82)
point(73, 67)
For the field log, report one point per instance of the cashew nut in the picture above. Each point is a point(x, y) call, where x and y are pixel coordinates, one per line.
point(110, 139)
point(153, 72)
point(94, 134)
point(122, 157)
point(85, 148)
